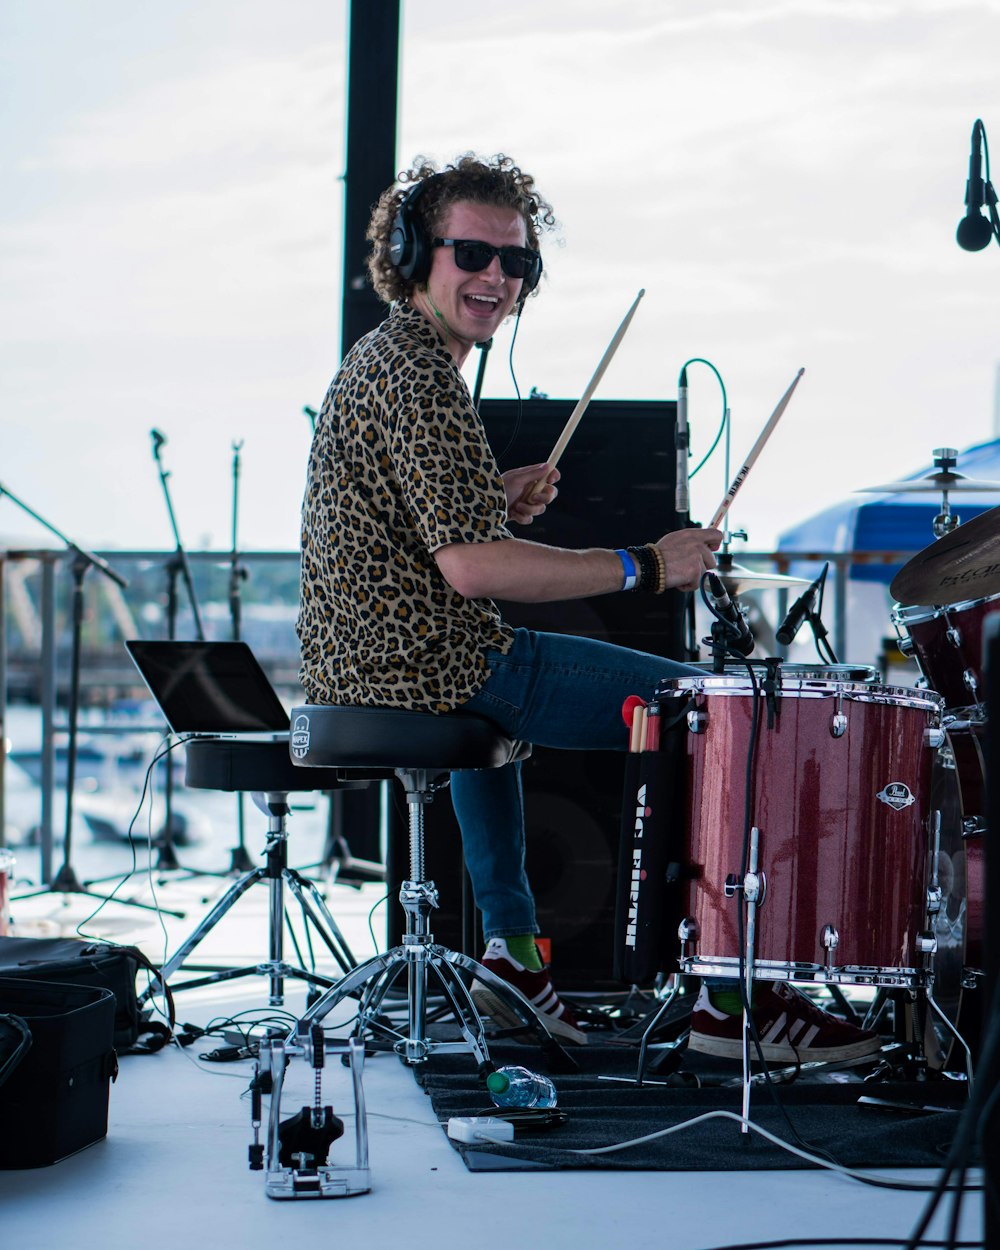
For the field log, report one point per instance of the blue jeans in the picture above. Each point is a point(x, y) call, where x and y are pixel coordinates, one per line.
point(552, 690)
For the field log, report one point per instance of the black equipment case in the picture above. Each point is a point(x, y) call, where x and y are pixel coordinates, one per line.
point(73, 961)
point(54, 1098)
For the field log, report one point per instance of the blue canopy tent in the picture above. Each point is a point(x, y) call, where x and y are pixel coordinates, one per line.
point(894, 522)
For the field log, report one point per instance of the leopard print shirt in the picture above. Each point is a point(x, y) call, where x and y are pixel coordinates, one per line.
point(399, 466)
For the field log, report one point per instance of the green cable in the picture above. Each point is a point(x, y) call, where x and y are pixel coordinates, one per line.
point(699, 360)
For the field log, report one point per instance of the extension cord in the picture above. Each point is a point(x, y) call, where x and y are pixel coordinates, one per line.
point(476, 1129)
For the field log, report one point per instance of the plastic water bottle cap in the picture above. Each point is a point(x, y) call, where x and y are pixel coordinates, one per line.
point(498, 1082)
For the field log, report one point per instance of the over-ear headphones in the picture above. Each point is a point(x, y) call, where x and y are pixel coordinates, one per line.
point(409, 247)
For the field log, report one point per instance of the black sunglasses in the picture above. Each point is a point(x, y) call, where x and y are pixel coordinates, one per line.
point(474, 256)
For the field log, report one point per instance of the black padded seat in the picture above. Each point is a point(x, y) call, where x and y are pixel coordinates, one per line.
point(247, 766)
point(324, 735)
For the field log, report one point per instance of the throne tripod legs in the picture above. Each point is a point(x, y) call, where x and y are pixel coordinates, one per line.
point(421, 958)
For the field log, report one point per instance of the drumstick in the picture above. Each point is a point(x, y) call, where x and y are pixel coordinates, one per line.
point(755, 451)
point(581, 407)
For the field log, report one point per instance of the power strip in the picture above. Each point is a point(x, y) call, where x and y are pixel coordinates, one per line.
point(479, 1129)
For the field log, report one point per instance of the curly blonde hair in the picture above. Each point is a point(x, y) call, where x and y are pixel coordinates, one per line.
point(495, 181)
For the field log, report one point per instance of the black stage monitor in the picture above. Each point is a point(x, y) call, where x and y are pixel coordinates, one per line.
point(616, 490)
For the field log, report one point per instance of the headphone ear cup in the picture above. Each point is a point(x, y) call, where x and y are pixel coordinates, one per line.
point(409, 252)
point(533, 279)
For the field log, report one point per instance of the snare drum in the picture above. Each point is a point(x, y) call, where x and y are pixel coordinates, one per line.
point(840, 794)
point(947, 644)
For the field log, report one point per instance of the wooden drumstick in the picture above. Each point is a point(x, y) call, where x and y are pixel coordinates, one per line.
point(574, 419)
point(755, 451)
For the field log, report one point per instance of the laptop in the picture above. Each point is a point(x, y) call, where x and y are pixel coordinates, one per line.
point(210, 689)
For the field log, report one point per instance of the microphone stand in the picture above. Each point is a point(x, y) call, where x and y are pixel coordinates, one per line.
point(239, 861)
point(66, 880)
point(178, 564)
point(484, 351)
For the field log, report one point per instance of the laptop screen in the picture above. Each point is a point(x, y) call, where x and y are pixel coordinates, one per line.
point(209, 687)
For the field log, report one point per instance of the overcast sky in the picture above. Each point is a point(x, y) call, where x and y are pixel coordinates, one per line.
point(783, 178)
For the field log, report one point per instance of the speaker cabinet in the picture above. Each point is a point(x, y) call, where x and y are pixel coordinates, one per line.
point(617, 489)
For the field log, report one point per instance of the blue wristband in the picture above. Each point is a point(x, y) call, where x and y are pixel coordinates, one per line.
point(628, 564)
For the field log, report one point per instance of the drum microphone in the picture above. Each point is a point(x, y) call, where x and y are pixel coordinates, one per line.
point(799, 611)
point(741, 639)
point(974, 230)
point(682, 498)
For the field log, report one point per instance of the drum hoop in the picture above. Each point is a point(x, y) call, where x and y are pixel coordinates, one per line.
point(858, 692)
point(919, 614)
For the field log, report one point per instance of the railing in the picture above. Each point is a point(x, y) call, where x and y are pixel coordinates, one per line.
point(37, 603)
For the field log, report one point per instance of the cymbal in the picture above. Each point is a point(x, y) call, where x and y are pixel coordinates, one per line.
point(964, 564)
point(932, 484)
point(737, 579)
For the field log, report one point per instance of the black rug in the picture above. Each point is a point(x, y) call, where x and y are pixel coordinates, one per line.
point(818, 1112)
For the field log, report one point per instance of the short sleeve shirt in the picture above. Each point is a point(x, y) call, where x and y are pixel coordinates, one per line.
point(400, 466)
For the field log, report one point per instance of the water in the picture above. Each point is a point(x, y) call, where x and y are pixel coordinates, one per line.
point(106, 803)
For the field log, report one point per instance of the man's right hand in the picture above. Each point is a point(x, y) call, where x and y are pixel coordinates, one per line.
point(689, 553)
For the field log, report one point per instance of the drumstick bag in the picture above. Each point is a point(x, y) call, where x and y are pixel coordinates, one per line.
point(651, 856)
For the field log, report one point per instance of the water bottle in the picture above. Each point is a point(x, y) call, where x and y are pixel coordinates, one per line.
point(514, 1086)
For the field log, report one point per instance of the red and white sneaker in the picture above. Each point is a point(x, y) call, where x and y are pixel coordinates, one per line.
point(536, 987)
point(791, 1028)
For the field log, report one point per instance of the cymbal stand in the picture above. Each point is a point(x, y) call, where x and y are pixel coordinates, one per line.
point(66, 880)
point(945, 459)
point(239, 860)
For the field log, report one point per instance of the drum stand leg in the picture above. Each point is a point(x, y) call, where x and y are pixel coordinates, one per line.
point(753, 896)
point(650, 1028)
point(929, 996)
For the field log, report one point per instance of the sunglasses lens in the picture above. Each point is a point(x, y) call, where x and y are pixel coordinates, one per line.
point(473, 257)
point(516, 262)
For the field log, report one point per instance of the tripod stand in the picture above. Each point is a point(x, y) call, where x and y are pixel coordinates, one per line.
point(66, 880)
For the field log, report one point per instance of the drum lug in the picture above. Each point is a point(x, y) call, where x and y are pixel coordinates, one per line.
point(953, 635)
point(973, 827)
point(831, 940)
point(904, 644)
point(934, 737)
point(971, 978)
point(970, 681)
point(838, 722)
point(732, 885)
point(926, 943)
point(935, 896)
point(697, 722)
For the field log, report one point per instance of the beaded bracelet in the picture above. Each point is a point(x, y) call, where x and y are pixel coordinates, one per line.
point(661, 568)
point(648, 569)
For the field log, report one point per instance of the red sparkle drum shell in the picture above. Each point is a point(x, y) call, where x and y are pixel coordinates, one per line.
point(840, 792)
point(947, 644)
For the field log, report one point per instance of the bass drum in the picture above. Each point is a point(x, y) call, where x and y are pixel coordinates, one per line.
point(958, 792)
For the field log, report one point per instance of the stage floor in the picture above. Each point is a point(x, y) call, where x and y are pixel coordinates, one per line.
point(173, 1168)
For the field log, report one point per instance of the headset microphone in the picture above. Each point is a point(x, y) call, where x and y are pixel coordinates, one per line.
point(974, 230)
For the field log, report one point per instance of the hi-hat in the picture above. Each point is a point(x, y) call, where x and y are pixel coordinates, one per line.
point(737, 579)
point(933, 484)
point(964, 564)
